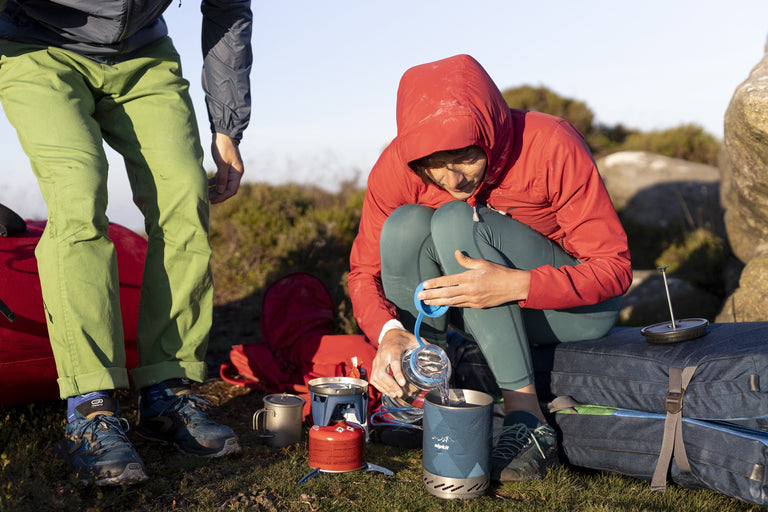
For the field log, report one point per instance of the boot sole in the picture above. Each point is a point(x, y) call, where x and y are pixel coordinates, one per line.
point(132, 474)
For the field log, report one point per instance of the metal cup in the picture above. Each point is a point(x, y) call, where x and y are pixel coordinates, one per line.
point(279, 422)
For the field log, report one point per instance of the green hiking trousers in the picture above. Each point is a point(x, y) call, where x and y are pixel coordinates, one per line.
point(418, 243)
point(63, 106)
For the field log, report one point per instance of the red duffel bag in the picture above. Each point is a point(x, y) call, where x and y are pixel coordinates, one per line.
point(27, 368)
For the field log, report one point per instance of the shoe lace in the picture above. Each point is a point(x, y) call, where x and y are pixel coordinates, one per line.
point(510, 440)
point(191, 407)
point(103, 432)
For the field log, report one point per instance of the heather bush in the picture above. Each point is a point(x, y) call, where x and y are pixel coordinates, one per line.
point(688, 142)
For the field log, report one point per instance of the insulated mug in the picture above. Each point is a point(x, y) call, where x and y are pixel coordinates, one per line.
point(457, 443)
point(279, 422)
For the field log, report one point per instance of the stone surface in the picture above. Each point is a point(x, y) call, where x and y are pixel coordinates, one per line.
point(659, 191)
point(646, 302)
point(749, 303)
point(744, 165)
point(744, 194)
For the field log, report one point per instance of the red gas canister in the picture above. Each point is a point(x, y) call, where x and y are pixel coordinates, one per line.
point(337, 447)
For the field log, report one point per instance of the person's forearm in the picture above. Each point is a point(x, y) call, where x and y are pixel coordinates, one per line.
point(227, 59)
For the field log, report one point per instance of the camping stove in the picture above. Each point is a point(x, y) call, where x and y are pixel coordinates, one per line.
point(337, 448)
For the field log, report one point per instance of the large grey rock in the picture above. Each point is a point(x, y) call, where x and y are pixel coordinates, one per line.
point(659, 191)
point(646, 301)
point(744, 165)
point(749, 303)
point(744, 194)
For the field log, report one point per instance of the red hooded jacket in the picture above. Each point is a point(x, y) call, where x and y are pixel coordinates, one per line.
point(539, 172)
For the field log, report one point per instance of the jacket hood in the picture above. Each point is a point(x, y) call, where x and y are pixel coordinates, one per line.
point(451, 104)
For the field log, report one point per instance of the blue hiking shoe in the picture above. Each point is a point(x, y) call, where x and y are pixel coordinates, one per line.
point(525, 449)
point(96, 446)
point(177, 416)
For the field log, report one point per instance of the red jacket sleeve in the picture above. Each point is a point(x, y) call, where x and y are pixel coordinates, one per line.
point(590, 230)
point(370, 307)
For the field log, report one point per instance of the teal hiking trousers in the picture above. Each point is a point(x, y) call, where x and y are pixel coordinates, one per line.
point(63, 107)
point(418, 243)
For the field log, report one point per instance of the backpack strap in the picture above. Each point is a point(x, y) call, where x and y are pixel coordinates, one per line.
point(10, 223)
point(672, 443)
point(563, 403)
point(6, 312)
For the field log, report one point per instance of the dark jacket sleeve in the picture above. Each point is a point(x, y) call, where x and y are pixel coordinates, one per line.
point(227, 58)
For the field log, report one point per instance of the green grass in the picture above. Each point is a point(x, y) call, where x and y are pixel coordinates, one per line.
point(262, 233)
point(265, 479)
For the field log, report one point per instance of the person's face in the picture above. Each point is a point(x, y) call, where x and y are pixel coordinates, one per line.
point(460, 178)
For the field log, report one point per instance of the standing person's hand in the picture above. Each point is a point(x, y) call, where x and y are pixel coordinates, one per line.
point(229, 168)
point(391, 348)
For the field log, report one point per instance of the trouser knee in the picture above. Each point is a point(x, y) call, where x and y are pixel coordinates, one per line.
point(453, 221)
point(403, 236)
point(406, 226)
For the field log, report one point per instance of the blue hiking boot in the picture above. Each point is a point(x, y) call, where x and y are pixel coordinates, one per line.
point(96, 446)
point(170, 413)
point(525, 449)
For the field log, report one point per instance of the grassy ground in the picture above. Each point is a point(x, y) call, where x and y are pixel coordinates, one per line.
point(265, 479)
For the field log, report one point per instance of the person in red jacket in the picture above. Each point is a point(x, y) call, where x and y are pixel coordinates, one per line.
point(502, 215)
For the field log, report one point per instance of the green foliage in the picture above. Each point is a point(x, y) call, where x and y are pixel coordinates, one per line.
point(541, 99)
point(688, 142)
point(265, 232)
point(603, 139)
point(699, 258)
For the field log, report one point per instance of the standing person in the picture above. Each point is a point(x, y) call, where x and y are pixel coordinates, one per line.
point(74, 74)
point(502, 215)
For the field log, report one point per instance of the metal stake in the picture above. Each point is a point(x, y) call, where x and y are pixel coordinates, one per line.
point(669, 299)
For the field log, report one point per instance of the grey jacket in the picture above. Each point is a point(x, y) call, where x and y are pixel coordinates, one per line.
point(111, 31)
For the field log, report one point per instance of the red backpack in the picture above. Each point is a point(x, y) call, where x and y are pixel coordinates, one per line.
point(297, 320)
point(27, 368)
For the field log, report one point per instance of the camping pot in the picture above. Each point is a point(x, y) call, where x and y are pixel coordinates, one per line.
point(457, 443)
point(337, 399)
point(279, 422)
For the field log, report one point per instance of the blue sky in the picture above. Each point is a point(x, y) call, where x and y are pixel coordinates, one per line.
point(325, 74)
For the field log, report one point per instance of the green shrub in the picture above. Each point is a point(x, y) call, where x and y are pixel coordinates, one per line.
point(541, 99)
point(699, 258)
point(267, 231)
point(688, 142)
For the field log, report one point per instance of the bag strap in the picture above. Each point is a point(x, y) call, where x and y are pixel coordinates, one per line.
point(563, 403)
point(6, 312)
point(672, 443)
point(10, 223)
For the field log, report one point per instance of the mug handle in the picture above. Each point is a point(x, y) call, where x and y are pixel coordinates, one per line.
point(260, 426)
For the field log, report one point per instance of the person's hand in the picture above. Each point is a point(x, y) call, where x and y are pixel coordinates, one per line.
point(229, 168)
point(391, 348)
point(483, 285)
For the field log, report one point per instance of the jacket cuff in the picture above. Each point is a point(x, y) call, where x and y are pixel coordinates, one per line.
point(388, 326)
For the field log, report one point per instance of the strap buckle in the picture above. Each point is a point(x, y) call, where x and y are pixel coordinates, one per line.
point(673, 402)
